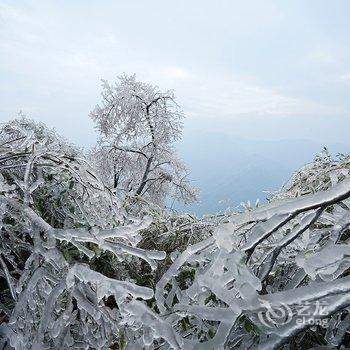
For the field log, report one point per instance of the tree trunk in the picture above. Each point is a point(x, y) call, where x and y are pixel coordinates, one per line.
point(145, 176)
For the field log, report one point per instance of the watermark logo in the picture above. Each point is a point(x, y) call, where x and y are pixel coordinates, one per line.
point(305, 313)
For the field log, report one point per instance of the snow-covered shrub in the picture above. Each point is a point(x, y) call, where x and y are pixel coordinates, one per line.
point(79, 270)
point(325, 171)
point(58, 222)
point(285, 255)
point(247, 283)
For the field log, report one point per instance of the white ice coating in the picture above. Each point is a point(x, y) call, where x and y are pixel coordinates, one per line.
point(328, 263)
point(207, 313)
point(311, 292)
point(127, 230)
point(285, 332)
point(297, 205)
point(288, 252)
point(173, 270)
point(159, 327)
point(106, 286)
point(226, 269)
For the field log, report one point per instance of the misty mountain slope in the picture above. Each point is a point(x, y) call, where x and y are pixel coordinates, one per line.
point(229, 170)
point(247, 179)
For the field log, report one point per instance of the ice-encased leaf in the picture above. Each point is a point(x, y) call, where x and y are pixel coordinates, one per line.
point(329, 263)
point(106, 286)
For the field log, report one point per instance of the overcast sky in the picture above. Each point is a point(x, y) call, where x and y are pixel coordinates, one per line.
point(257, 69)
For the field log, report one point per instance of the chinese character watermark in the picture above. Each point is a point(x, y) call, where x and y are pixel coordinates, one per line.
point(303, 313)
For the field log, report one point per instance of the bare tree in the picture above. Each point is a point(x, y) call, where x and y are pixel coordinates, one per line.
point(138, 125)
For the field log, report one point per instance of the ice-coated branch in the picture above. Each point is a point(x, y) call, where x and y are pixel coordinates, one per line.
point(72, 254)
point(106, 286)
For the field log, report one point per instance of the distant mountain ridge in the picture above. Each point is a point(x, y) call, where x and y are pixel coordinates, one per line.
point(229, 170)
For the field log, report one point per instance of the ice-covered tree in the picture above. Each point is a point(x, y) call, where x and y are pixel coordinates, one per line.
point(79, 271)
point(244, 287)
point(64, 238)
point(138, 125)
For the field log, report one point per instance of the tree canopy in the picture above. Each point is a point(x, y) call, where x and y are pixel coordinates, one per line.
point(138, 125)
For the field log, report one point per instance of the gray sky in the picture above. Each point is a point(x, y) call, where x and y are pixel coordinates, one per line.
point(257, 69)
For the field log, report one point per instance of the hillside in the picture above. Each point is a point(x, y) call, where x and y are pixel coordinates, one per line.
point(229, 170)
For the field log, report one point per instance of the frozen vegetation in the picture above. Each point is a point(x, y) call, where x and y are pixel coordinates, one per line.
point(91, 257)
